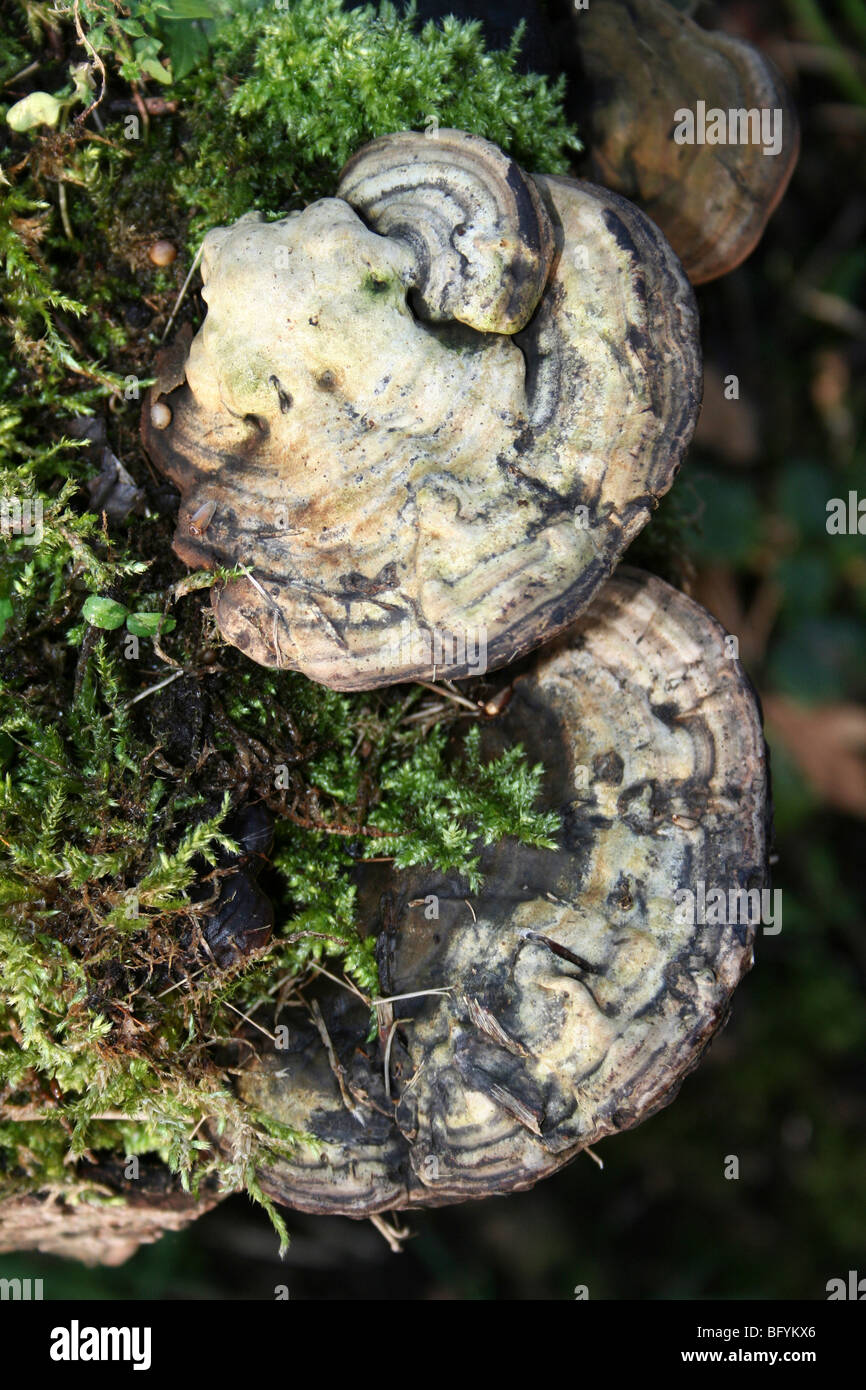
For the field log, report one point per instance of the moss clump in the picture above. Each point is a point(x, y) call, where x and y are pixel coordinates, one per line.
point(291, 93)
point(128, 734)
point(287, 95)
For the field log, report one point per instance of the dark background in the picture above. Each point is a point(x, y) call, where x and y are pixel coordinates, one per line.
point(782, 1087)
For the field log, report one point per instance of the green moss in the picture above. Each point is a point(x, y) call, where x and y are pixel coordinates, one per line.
point(116, 790)
point(290, 94)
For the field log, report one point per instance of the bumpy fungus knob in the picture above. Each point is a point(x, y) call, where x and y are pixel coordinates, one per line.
point(580, 992)
point(426, 416)
point(642, 62)
point(481, 239)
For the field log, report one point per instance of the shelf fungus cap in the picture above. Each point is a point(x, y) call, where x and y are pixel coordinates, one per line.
point(426, 416)
point(480, 237)
point(582, 983)
point(697, 127)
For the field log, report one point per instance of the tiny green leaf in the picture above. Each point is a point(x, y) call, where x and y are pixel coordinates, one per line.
point(149, 624)
point(187, 46)
point(155, 69)
point(104, 612)
point(82, 79)
point(39, 108)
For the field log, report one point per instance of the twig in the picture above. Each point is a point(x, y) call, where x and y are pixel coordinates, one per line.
point(25, 72)
point(152, 689)
point(185, 981)
point(334, 1062)
point(347, 985)
point(449, 695)
point(85, 41)
point(183, 289)
point(425, 712)
point(251, 1021)
point(64, 210)
point(416, 994)
point(418, 1070)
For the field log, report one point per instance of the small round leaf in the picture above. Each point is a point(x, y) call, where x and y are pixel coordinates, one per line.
point(39, 108)
point(149, 624)
point(104, 612)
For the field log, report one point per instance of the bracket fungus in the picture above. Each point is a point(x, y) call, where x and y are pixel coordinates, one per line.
point(647, 69)
point(429, 411)
point(570, 997)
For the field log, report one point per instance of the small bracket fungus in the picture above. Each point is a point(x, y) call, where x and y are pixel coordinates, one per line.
point(434, 408)
point(697, 127)
point(568, 999)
